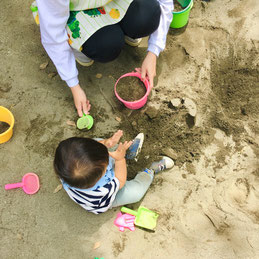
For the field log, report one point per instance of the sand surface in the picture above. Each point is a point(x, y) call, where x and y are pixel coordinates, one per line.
point(208, 203)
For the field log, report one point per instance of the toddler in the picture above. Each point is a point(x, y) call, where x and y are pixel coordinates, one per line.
point(96, 178)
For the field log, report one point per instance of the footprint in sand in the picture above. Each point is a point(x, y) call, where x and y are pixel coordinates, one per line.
point(244, 194)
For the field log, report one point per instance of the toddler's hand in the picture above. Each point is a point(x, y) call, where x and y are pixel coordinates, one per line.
point(111, 142)
point(120, 153)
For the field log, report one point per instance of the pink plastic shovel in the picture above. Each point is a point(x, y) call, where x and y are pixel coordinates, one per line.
point(30, 184)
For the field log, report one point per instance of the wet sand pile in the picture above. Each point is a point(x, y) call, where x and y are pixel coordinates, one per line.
point(235, 84)
point(130, 88)
point(166, 133)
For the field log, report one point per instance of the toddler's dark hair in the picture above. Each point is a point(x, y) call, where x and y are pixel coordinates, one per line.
point(81, 162)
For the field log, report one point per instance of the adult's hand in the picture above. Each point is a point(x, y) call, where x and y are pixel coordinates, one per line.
point(81, 102)
point(148, 68)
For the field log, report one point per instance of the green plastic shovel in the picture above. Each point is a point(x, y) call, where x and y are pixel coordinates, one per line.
point(145, 218)
point(85, 122)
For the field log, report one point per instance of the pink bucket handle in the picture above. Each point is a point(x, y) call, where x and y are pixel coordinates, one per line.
point(13, 186)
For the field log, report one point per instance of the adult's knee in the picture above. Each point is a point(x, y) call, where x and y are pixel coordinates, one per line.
point(142, 18)
point(147, 5)
point(104, 45)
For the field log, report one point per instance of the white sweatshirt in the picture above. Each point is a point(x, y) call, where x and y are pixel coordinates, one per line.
point(53, 16)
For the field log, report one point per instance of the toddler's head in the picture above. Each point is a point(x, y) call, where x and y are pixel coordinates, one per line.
point(81, 162)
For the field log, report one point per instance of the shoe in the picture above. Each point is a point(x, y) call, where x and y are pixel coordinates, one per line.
point(85, 64)
point(164, 163)
point(132, 42)
point(135, 147)
point(82, 59)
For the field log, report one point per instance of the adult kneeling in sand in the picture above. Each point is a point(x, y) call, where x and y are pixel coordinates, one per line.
point(88, 30)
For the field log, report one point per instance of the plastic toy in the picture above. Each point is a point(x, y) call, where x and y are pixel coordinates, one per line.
point(6, 116)
point(145, 218)
point(30, 184)
point(181, 18)
point(123, 221)
point(138, 103)
point(85, 122)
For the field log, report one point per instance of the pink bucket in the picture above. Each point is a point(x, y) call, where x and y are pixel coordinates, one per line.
point(138, 103)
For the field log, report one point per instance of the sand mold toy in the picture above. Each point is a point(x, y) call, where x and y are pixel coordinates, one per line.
point(123, 221)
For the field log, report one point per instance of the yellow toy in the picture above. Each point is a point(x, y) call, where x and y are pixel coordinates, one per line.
point(7, 117)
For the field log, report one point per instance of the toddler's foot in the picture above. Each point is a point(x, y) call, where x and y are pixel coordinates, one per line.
point(164, 163)
point(132, 42)
point(135, 147)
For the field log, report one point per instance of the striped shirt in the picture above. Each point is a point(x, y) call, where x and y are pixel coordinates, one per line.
point(100, 197)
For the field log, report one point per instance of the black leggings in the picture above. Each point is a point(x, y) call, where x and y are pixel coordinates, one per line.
point(141, 19)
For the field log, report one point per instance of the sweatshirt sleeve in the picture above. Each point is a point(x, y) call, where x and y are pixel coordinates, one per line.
point(53, 16)
point(157, 39)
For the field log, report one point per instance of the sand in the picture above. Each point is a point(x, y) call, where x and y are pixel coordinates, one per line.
point(131, 88)
point(3, 127)
point(208, 203)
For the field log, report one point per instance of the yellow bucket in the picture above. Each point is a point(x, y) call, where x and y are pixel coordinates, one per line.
point(7, 117)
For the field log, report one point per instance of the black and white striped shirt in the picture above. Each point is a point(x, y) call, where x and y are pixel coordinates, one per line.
point(100, 197)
